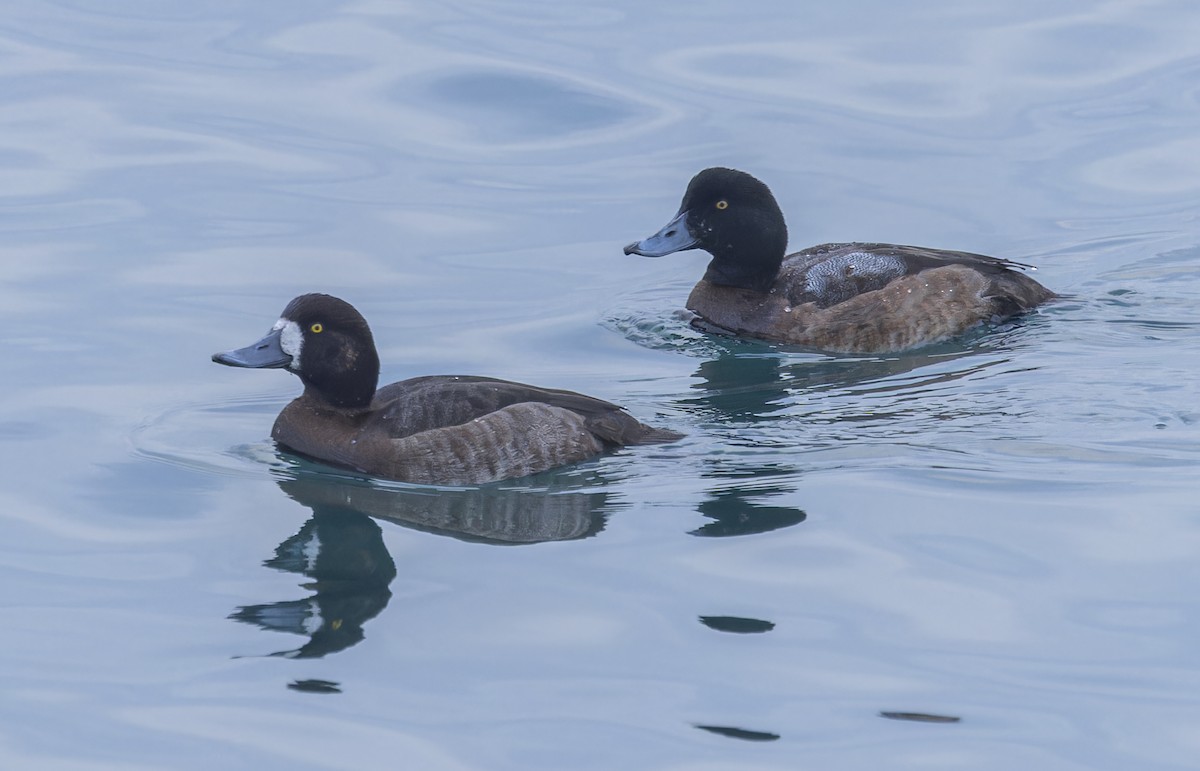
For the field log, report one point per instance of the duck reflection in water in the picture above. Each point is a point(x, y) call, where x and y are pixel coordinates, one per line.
point(341, 548)
point(734, 513)
point(751, 387)
point(755, 382)
point(342, 551)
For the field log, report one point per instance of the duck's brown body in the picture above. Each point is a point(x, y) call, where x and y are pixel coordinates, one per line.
point(871, 298)
point(458, 430)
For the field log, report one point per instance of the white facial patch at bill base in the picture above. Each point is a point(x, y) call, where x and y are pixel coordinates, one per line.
point(291, 340)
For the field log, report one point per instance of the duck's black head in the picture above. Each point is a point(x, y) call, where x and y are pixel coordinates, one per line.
point(326, 342)
point(732, 216)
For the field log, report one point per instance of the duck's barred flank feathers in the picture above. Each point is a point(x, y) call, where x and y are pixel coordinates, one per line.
point(514, 441)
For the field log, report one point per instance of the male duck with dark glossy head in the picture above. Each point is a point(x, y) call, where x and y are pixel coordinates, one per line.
point(448, 430)
point(842, 298)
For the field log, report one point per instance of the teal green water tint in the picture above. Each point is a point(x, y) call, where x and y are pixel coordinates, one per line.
point(980, 555)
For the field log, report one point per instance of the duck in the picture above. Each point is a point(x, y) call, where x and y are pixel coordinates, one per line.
point(844, 298)
point(434, 430)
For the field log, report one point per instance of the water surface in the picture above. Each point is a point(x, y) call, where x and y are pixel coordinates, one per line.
point(980, 555)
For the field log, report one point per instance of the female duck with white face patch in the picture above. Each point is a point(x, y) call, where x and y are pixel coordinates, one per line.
point(447, 430)
point(842, 298)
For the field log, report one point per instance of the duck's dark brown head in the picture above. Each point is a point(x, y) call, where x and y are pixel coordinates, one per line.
point(326, 342)
point(735, 218)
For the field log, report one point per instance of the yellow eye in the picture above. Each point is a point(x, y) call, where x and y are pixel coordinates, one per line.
point(722, 204)
point(316, 329)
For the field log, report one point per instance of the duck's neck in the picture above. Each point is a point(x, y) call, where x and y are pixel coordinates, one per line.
point(749, 258)
point(754, 269)
point(350, 387)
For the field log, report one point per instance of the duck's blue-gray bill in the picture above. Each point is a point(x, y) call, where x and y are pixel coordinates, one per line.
point(674, 237)
point(265, 354)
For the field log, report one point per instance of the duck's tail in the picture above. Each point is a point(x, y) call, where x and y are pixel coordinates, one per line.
point(618, 428)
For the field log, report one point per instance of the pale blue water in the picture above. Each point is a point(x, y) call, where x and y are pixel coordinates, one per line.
point(1004, 530)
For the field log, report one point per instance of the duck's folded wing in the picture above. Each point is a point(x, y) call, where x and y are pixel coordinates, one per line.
point(833, 273)
point(441, 401)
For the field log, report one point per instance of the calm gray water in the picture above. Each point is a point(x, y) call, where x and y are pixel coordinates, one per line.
point(1004, 530)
